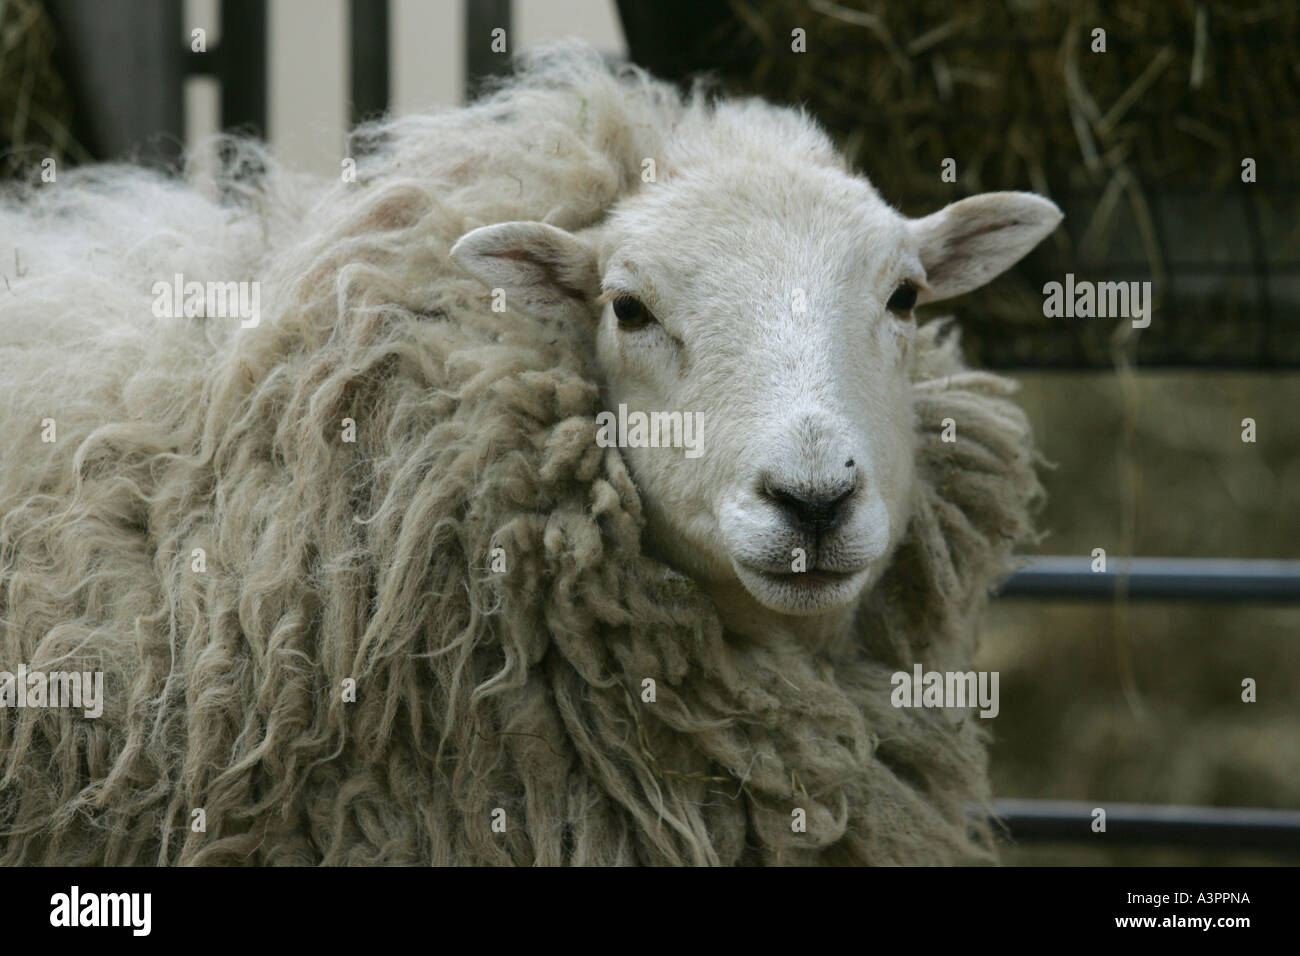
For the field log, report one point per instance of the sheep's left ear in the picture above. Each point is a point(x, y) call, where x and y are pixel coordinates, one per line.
point(969, 242)
point(543, 270)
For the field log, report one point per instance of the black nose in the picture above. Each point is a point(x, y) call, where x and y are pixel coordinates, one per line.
point(813, 514)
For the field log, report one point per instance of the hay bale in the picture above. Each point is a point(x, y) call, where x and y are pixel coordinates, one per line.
point(1142, 146)
point(34, 100)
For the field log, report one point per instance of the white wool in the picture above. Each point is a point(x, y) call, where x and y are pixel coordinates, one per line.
point(330, 561)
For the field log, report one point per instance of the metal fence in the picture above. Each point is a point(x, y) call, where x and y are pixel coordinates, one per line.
point(129, 106)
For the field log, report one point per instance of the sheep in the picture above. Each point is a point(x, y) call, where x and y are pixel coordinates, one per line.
point(362, 583)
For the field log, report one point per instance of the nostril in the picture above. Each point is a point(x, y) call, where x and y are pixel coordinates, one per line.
point(810, 512)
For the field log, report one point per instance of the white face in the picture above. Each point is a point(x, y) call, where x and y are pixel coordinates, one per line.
point(771, 301)
point(772, 326)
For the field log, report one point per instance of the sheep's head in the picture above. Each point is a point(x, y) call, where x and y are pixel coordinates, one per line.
point(770, 293)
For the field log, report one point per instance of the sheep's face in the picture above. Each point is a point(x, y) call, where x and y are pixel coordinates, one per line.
point(754, 332)
point(759, 311)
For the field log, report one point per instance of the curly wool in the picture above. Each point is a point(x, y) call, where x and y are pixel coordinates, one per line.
point(371, 561)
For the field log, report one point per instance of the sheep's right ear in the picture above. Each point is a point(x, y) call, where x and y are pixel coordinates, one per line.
point(543, 270)
point(969, 242)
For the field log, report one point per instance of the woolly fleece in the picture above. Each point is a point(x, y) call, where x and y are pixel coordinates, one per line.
point(370, 561)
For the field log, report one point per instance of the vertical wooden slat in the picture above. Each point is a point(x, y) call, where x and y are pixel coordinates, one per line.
point(368, 47)
point(481, 18)
point(242, 66)
point(125, 62)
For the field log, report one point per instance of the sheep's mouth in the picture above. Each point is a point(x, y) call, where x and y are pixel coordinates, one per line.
point(814, 578)
point(802, 592)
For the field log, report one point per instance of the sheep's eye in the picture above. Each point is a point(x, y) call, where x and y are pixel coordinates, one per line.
point(903, 299)
point(631, 313)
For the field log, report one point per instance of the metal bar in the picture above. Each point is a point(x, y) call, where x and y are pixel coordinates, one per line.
point(1179, 365)
point(207, 63)
point(1139, 824)
point(368, 49)
point(1153, 579)
point(482, 17)
point(1137, 270)
point(1090, 366)
point(242, 66)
